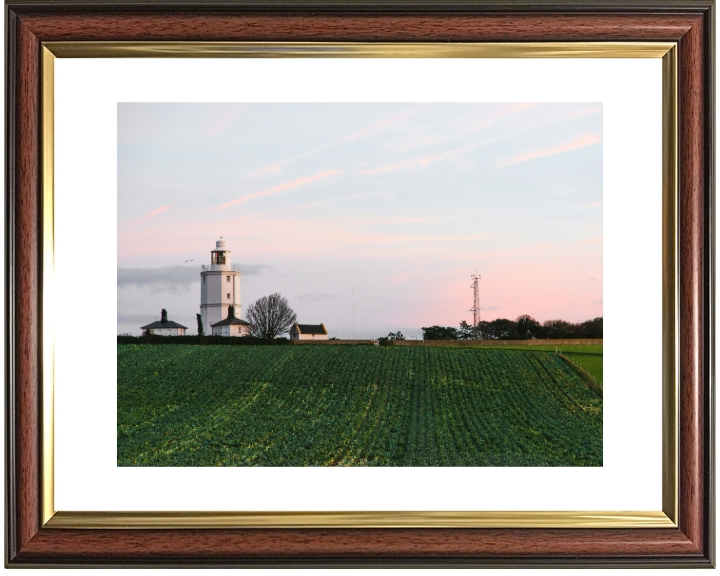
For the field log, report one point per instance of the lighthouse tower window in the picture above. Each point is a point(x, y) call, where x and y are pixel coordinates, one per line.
point(228, 278)
point(228, 295)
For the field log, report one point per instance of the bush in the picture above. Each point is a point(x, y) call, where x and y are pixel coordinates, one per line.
point(201, 340)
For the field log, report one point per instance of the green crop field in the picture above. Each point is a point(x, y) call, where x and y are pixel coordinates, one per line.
point(183, 405)
point(587, 356)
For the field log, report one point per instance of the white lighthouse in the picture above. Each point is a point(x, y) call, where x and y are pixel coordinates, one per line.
point(219, 288)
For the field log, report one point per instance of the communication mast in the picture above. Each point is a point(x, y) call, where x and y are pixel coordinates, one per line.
point(476, 303)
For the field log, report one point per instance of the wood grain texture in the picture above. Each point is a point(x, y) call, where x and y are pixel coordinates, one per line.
point(346, 542)
point(358, 28)
point(691, 229)
point(688, 545)
point(27, 262)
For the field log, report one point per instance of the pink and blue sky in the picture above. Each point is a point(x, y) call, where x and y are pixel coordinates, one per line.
point(401, 202)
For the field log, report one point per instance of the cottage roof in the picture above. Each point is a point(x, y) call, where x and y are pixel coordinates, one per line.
point(231, 322)
point(311, 328)
point(163, 323)
point(166, 324)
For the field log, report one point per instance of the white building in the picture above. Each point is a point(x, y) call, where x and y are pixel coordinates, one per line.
point(219, 287)
point(165, 327)
point(308, 332)
point(231, 326)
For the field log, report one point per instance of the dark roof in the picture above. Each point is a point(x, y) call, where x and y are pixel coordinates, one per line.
point(166, 324)
point(311, 328)
point(231, 321)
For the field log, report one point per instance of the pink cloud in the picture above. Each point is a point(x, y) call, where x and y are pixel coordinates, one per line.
point(278, 188)
point(156, 211)
point(270, 169)
point(579, 142)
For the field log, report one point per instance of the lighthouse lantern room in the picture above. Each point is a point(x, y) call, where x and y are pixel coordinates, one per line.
point(219, 288)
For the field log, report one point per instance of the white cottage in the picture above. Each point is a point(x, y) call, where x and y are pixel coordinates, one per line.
point(164, 327)
point(231, 326)
point(308, 332)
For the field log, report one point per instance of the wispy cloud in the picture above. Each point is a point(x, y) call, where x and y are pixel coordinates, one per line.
point(452, 154)
point(579, 142)
point(379, 125)
point(275, 167)
point(427, 160)
point(408, 163)
point(493, 119)
point(398, 239)
point(584, 112)
point(173, 278)
point(300, 207)
point(400, 220)
point(156, 211)
point(278, 188)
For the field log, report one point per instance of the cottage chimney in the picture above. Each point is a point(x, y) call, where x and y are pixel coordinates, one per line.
point(231, 312)
point(163, 318)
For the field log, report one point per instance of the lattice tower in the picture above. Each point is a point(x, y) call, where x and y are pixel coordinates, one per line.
point(476, 303)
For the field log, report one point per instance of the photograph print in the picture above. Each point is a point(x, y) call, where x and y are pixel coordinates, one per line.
point(360, 284)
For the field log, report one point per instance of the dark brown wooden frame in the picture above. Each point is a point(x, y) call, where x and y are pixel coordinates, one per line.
point(30, 23)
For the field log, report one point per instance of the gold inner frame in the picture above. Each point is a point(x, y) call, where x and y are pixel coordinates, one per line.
point(665, 518)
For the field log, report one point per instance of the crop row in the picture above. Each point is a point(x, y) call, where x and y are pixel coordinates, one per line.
point(352, 406)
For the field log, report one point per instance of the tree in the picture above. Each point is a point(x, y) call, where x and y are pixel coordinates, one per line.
point(527, 328)
point(270, 316)
point(558, 329)
point(499, 329)
point(440, 333)
point(467, 332)
point(395, 336)
point(200, 324)
point(591, 328)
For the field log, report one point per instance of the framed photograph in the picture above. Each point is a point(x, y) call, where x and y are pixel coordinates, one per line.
point(360, 255)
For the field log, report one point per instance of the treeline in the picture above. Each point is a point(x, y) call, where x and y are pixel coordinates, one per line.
point(522, 328)
point(199, 340)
